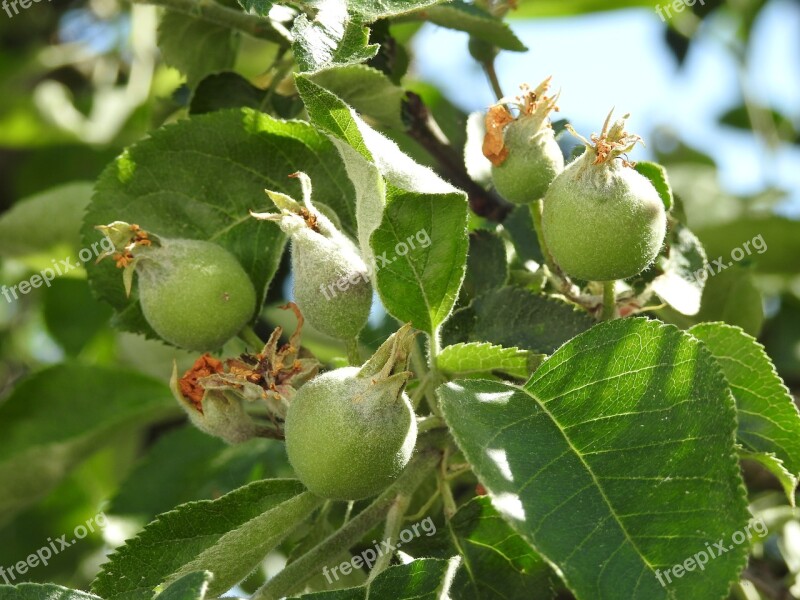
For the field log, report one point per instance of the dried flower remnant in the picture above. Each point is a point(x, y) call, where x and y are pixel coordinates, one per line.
point(189, 384)
point(269, 379)
point(497, 117)
point(523, 150)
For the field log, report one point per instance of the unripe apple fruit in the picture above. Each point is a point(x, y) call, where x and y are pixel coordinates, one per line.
point(601, 219)
point(331, 280)
point(194, 294)
point(350, 432)
point(527, 158)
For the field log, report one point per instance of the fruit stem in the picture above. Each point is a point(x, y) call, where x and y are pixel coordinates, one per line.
point(295, 575)
point(348, 512)
point(444, 487)
point(322, 517)
point(394, 522)
point(418, 362)
point(429, 423)
point(421, 370)
point(424, 509)
point(250, 337)
point(434, 348)
point(491, 75)
point(353, 355)
point(609, 301)
point(419, 392)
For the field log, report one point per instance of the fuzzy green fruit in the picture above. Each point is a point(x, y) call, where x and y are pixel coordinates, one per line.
point(530, 158)
point(602, 220)
point(350, 432)
point(346, 441)
point(331, 281)
point(194, 294)
point(331, 284)
point(534, 160)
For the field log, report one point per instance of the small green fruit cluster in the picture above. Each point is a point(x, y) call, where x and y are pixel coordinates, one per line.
point(331, 280)
point(523, 150)
point(602, 220)
point(193, 293)
point(350, 432)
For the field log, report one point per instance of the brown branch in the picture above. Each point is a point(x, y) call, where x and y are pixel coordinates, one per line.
point(421, 127)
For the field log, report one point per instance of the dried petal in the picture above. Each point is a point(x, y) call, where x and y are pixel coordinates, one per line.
point(188, 384)
point(497, 117)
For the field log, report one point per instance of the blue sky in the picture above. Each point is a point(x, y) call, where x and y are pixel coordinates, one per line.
point(620, 59)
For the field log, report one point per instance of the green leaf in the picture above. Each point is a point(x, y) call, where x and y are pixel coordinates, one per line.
point(774, 465)
point(228, 536)
point(200, 178)
point(370, 10)
point(422, 579)
point(73, 315)
point(487, 265)
point(38, 223)
point(615, 461)
point(560, 8)
point(419, 242)
point(334, 116)
point(219, 91)
point(57, 417)
point(739, 117)
point(333, 38)
point(514, 317)
point(367, 90)
point(519, 225)
point(330, 113)
point(475, 21)
point(325, 578)
point(768, 418)
point(497, 562)
point(681, 285)
point(187, 465)
point(658, 177)
point(771, 244)
point(196, 47)
point(258, 7)
point(482, 357)
point(421, 252)
point(780, 337)
point(189, 587)
point(733, 296)
point(42, 591)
